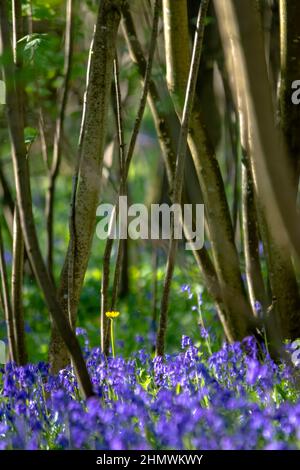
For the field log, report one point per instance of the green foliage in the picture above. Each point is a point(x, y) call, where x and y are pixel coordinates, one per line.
point(30, 135)
point(39, 9)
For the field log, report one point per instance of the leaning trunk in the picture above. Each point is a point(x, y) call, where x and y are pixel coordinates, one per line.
point(242, 37)
point(238, 311)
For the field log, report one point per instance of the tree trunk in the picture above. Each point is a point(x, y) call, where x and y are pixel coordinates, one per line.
point(90, 165)
point(238, 310)
point(17, 290)
point(242, 38)
point(58, 136)
point(24, 200)
point(5, 300)
point(289, 72)
point(164, 123)
point(255, 281)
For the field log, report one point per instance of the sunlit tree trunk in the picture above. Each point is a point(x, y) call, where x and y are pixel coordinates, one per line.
point(242, 38)
point(238, 310)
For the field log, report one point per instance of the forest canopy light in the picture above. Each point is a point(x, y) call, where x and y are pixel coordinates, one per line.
point(154, 225)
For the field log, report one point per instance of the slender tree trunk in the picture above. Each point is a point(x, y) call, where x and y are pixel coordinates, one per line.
point(162, 121)
point(124, 281)
point(18, 241)
point(23, 190)
point(255, 281)
point(286, 304)
point(179, 172)
point(8, 210)
point(123, 189)
point(289, 72)
point(8, 202)
point(5, 299)
point(91, 151)
point(268, 136)
point(221, 234)
point(17, 290)
point(55, 166)
point(125, 160)
point(242, 38)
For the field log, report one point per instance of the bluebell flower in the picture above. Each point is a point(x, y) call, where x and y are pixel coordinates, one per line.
point(203, 332)
point(139, 339)
point(186, 342)
point(184, 400)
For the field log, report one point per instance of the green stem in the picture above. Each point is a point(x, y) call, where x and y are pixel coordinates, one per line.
point(207, 340)
point(112, 338)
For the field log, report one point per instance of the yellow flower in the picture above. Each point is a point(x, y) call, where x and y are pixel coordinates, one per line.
point(112, 314)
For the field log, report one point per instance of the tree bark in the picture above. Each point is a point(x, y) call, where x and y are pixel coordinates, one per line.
point(59, 128)
point(24, 200)
point(161, 108)
point(289, 72)
point(242, 38)
point(180, 169)
point(8, 202)
point(90, 165)
point(6, 301)
point(17, 290)
point(254, 276)
point(125, 160)
point(238, 310)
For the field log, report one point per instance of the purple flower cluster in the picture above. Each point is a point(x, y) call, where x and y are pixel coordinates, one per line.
point(230, 400)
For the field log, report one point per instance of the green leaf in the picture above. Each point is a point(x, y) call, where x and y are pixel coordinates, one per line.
point(35, 44)
point(30, 135)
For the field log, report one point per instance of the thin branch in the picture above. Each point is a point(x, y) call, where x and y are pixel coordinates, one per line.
point(161, 124)
point(18, 241)
point(148, 71)
point(63, 98)
point(166, 140)
point(17, 290)
point(179, 171)
point(124, 176)
point(7, 200)
point(44, 147)
point(5, 298)
point(119, 117)
point(72, 218)
point(121, 191)
point(119, 257)
point(23, 189)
